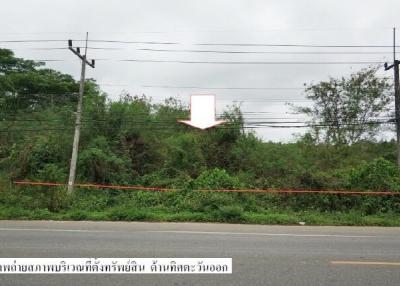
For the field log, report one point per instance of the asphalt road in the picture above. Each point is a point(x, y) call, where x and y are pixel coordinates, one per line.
point(262, 255)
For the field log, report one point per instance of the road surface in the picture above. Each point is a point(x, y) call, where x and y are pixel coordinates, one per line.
point(262, 255)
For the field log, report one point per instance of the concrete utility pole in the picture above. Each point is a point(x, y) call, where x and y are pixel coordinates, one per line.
point(75, 146)
point(395, 67)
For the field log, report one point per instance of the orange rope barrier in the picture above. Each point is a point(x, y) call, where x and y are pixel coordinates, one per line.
point(296, 191)
point(271, 191)
point(138, 188)
point(98, 186)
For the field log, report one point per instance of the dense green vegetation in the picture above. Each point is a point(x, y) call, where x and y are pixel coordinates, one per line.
point(133, 141)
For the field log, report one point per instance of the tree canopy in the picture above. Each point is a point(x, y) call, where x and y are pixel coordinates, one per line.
point(347, 110)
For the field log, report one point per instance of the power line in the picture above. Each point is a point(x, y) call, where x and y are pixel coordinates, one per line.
point(48, 60)
point(200, 44)
point(168, 128)
point(271, 100)
point(61, 48)
point(134, 42)
point(124, 113)
point(292, 45)
point(32, 41)
point(260, 124)
point(230, 62)
point(288, 100)
point(262, 52)
point(146, 120)
point(229, 88)
point(319, 29)
point(324, 29)
point(92, 41)
point(254, 62)
point(223, 51)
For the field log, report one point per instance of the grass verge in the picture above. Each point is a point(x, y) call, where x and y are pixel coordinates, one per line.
point(161, 215)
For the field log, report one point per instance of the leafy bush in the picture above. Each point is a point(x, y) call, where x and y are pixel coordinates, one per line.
point(378, 174)
point(184, 154)
point(216, 179)
point(98, 164)
point(231, 213)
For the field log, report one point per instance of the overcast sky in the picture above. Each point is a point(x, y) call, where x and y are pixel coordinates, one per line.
point(185, 24)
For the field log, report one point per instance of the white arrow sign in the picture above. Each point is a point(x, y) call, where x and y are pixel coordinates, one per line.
point(202, 112)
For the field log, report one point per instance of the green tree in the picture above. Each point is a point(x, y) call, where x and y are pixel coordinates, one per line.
point(345, 110)
point(9, 63)
point(26, 86)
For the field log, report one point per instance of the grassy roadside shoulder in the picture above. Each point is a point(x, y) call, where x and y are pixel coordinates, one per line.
point(162, 215)
point(190, 204)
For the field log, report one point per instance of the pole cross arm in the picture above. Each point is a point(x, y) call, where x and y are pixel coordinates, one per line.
point(82, 57)
point(388, 67)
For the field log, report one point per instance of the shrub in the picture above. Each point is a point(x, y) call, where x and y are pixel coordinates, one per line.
point(98, 164)
point(216, 179)
point(378, 174)
point(231, 213)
